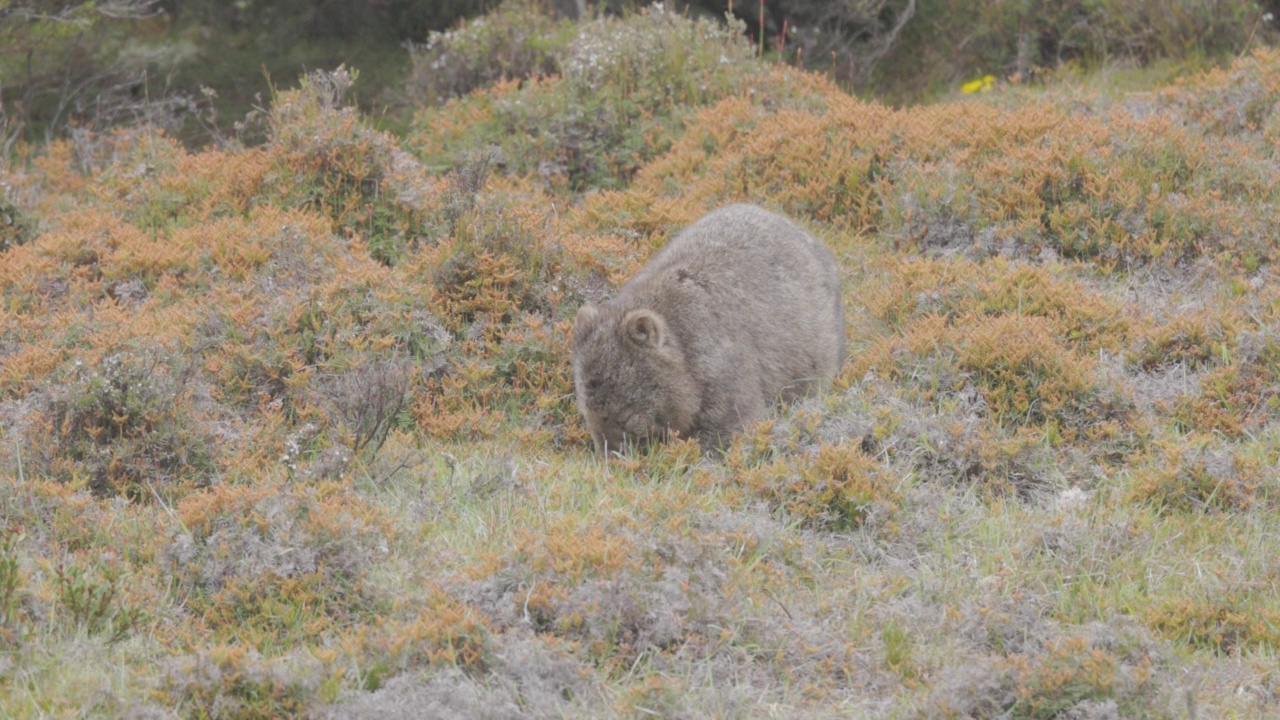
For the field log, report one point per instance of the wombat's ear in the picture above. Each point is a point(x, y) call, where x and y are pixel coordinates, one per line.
point(584, 320)
point(645, 328)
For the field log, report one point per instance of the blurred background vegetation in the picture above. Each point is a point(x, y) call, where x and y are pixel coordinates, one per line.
point(200, 68)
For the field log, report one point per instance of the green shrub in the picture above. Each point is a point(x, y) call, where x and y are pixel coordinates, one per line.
point(92, 600)
point(17, 227)
point(515, 41)
point(333, 162)
point(626, 84)
point(496, 267)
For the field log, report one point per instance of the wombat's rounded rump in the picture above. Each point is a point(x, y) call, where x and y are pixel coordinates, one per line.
point(739, 311)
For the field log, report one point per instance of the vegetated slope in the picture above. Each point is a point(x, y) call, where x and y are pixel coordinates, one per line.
point(290, 429)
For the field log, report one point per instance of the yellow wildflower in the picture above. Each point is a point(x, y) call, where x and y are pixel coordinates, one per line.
point(981, 84)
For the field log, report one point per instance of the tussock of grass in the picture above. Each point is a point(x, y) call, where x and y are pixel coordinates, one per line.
point(291, 429)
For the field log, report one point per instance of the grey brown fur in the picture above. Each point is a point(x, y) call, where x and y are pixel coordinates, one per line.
point(740, 310)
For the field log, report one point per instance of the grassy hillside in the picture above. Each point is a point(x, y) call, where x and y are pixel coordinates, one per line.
point(290, 429)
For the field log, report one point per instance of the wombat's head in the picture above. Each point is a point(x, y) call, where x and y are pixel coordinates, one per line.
point(630, 377)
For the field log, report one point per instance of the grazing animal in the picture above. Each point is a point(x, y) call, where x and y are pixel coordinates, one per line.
point(740, 310)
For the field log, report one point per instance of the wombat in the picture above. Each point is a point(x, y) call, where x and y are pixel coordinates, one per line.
point(740, 310)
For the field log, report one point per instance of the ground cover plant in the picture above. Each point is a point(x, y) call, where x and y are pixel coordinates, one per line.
point(288, 430)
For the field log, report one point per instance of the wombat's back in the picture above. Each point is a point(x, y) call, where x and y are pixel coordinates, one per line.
point(741, 238)
point(755, 302)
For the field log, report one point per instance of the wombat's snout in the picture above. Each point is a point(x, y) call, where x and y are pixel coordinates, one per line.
point(634, 433)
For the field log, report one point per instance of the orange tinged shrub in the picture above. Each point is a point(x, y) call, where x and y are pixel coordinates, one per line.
point(1196, 339)
point(899, 290)
point(275, 565)
point(1069, 671)
point(1229, 624)
point(835, 487)
point(1236, 399)
point(1027, 376)
point(445, 633)
point(1114, 189)
point(1197, 476)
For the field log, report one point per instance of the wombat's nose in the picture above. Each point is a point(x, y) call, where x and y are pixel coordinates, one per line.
point(611, 443)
